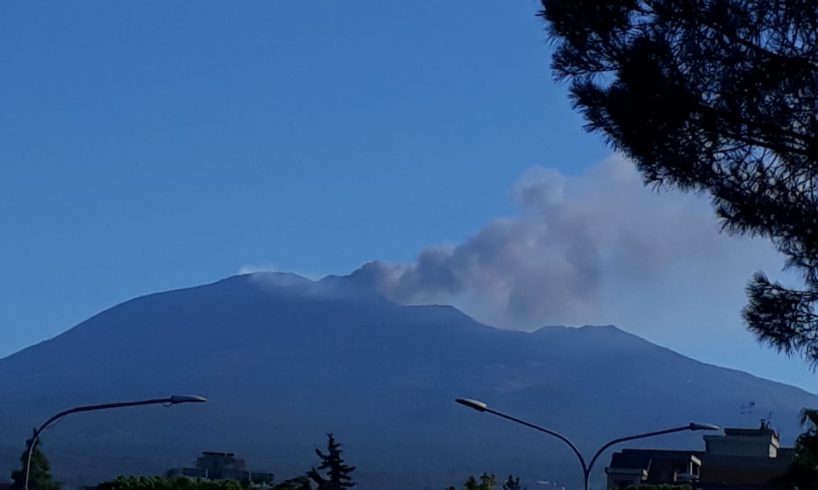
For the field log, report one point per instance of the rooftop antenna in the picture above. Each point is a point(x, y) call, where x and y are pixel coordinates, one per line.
point(767, 423)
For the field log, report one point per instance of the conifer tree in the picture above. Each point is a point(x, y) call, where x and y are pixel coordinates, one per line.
point(333, 473)
point(40, 473)
point(716, 97)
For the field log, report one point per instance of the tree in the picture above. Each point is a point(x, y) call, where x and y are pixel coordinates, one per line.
point(487, 481)
point(172, 483)
point(40, 473)
point(717, 97)
point(298, 483)
point(512, 483)
point(803, 474)
point(807, 443)
point(336, 473)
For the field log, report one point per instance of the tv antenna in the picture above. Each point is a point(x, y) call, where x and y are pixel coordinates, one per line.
point(769, 419)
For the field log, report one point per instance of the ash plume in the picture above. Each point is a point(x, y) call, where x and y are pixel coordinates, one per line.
point(578, 246)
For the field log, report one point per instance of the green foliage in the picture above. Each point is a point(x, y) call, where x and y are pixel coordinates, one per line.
point(512, 483)
point(332, 473)
point(717, 97)
point(162, 483)
point(807, 443)
point(486, 481)
point(803, 474)
point(40, 473)
point(299, 483)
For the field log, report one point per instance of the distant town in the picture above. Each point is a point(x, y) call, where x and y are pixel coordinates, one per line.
point(737, 459)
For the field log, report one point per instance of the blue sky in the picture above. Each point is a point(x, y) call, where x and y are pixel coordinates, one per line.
point(152, 145)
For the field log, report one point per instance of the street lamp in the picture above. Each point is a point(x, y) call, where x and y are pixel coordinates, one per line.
point(169, 401)
point(586, 467)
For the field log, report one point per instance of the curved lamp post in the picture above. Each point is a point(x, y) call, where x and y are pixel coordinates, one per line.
point(169, 401)
point(586, 467)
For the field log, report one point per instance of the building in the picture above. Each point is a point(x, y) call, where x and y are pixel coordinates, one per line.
point(745, 458)
point(214, 465)
point(634, 467)
point(738, 459)
point(758, 443)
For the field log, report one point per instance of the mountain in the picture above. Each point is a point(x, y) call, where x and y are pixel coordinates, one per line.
point(284, 360)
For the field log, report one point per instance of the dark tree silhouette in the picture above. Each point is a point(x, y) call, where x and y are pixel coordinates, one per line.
point(173, 483)
point(298, 483)
point(719, 97)
point(40, 474)
point(803, 474)
point(336, 473)
point(512, 483)
point(806, 445)
point(487, 481)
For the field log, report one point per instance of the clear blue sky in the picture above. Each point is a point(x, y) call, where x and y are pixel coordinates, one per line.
point(151, 145)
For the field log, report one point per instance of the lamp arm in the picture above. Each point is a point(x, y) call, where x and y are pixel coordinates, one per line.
point(608, 444)
point(585, 467)
point(85, 408)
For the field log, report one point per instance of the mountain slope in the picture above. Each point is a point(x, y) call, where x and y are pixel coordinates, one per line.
point(284, 359)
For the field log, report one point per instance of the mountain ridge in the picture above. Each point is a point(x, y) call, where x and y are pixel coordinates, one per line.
point(283, 356)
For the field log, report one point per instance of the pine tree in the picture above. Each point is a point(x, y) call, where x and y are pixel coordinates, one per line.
point(803, 474)
point(336, 473)
point(716, 97)
point(40, 473)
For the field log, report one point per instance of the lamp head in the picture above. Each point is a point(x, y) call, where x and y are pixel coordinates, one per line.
point(473, 404)
point(177, 399)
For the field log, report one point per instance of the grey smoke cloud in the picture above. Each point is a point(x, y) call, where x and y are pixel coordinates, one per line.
point(598, 247)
